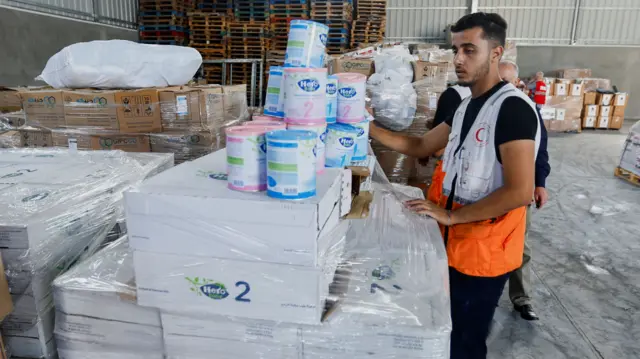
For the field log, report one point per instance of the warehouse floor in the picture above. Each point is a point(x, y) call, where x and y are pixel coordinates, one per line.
point(586, 260)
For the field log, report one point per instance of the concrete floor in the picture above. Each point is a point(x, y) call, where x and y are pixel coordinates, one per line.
point(586, 260)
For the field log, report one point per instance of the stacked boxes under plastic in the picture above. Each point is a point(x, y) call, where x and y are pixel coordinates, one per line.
point(56, 208)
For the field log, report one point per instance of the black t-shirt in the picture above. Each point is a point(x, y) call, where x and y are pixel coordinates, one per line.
point(447, 106)
point(517, 120)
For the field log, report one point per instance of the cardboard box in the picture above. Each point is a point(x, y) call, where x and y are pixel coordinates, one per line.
point(576, 89)
point(605, 111)
point(572, 104)
point(124, 142)
point(593, 84)
point(564, 81)
point(619, 110)
point(604, 99)
point(589, 122)
point(560, 89)
point(234, 104)
point(591, 110)
point(549, 82)
point(36, 137)
point(569, 124)
point(61, 138)
point(235, 225)
point(10, 100)
point(213, 286)
point(620, 99)
point(590, 98)
point(90, 108)
point(574, 73)
point(434, 73)
point(616, 122)
point(361, 66)
point(6, 303)
point(10, 139)
point(184, 146)
point(138, 111)
point(43, 108)
point(603, 122)
point(187, 108)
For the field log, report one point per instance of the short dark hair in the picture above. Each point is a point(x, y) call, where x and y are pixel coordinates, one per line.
point(493, 25)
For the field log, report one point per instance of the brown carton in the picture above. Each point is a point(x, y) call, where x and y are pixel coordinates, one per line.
point(619, 110)
point(191, 108)
point(592, 84)
point(620, 99)
point(88, 108)
point(435, 73)
point(591, 110)
point(6, 304)
point(603, 122)
point(10, 100)
point(361, 66)
point(573, 105)
point(43, 108)
point(589, 122)
point(604, 99)
point(560, 89)
point(36, 137)
point(61, 137)
point(138, 111)
point(615, 122)
point(605, 111)
point(564, 81)
point(574, 73)
point(576, 89)
point(234, 104)
point(590, 98)
point(124, 142)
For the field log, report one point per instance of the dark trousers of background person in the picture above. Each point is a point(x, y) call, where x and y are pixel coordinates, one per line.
point(520, 278)
point(473, 303)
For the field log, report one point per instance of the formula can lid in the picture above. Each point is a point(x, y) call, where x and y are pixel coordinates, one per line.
point(291, 135)
point(342, 127)
point(254, 130)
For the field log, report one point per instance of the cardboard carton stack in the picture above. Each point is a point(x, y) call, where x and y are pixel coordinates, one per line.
point(604, 110)
point(56, 207)
point(186, 121)
point(563, 108)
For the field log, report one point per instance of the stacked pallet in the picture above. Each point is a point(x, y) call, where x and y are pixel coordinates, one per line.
point(252, 11)
point(246, 41)
point(370, 23)
point(337, 15)
point(163, 21)
point(209, 37)
point(223, 7)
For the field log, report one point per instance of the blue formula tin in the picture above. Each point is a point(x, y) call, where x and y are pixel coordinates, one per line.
point(332, 98)
point(291, 164)
point(274, 101)
point(306, 44)
point(340, 144)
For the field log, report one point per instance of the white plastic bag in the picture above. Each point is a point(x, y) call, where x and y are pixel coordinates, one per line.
point(120, 64)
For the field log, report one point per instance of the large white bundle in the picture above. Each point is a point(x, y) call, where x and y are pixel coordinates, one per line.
point(120, 64)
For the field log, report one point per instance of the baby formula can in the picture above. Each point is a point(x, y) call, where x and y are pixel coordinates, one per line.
point(362, 141)
point(306, 44)
point(277, 125)
point(274, 102)
point(332, 98)
point(291, 172)
point(351, 97)
point(264, 118)
point(340, 144)
point(305, 98)
point(246, 158)
point(320, 129)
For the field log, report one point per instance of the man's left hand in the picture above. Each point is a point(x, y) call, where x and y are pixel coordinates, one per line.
point(432, 210)
point(540, 196)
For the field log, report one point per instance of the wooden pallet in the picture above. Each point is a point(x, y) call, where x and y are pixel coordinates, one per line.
point(164, 5)
point(146, 22)
point(212, 73)
point(212, 53)
point(627, 176)
point(215, 6)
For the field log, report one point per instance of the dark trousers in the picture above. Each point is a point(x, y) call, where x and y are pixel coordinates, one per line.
point(473, 303)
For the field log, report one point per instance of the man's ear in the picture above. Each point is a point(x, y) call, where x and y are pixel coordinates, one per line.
point(497, 53)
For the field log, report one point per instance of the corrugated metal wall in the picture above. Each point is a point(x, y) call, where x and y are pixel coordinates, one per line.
point(113, 12)
point(541, 22)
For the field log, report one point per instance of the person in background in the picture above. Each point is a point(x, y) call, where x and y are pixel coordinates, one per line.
point(539, 90)
point(448, 103)
point(490, 145)
point(520, 279)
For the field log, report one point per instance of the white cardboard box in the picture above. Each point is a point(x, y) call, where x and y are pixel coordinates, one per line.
point(605, 111)
point(210, 286)
point(185, 211)
point(590, 121)
point(25, 347)
point(180, 347)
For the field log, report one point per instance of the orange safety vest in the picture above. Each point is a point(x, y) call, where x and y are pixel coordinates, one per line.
point(435, 190)
point(491, 247)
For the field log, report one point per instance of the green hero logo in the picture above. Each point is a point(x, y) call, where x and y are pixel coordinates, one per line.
point(216, 290)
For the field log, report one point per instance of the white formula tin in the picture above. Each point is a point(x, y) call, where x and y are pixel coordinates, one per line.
point(246, 158)
point(320, 129)
point(340, 144)
point(332, 98)
point(362, 141)
point(306, 44)
point(278, 125)
point(291, 171)
point(274, 102)
point(351, 97)
point(305, 98)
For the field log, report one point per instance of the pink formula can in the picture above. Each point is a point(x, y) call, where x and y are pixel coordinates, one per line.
point(305, 98)
point(351, 97)
point(247, 158)
point(277, 125)
point(265, 118)
point(321, 131)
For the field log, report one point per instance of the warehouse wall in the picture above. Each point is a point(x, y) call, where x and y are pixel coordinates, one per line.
point(620, 64)
point(28, 39)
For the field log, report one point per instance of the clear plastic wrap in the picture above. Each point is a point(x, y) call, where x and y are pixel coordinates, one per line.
point(57, 207)
point(563, 113)
point(388, 298)
point(96, 313)
point(630, 158)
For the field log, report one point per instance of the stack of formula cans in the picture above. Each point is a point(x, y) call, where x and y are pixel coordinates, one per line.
point(324, 116)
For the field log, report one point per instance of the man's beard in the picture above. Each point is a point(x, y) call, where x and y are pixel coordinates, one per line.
point(480, 73)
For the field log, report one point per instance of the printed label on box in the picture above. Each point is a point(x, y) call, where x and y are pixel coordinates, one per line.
point(561, 90)
point(576, 89)
point(590, 121)
point(592, 110)
point(548, 113)
point(621, 99)
point(182, 105)
point(433, 101)
point(560, 113)
point(605, 111)
point(604, 122)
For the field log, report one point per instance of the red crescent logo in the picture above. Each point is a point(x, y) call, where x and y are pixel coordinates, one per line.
point(478, 135)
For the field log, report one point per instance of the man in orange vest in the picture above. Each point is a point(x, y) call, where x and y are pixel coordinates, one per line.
point(488, 164)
